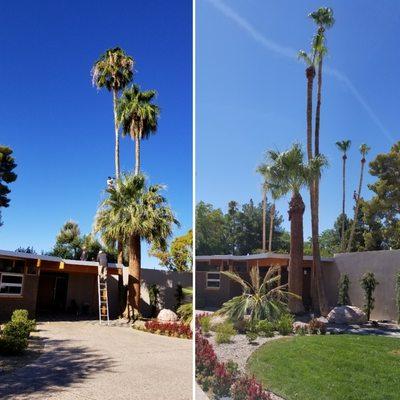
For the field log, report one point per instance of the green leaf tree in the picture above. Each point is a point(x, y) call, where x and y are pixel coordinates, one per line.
point(134, 211)
point(7, 175)
point(138, 116)
point(398, 296)
point(68, 242)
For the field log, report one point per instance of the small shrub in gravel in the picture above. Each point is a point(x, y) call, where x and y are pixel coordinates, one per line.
point(205, 324)
point(222, 380)
point(265, 328)
point(224, 332)
point(285, 324)
point(251, 336)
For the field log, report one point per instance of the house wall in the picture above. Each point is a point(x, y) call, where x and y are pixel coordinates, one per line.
point(82, 288)
point(166, 281)
point(384, 264)
point(27, 301)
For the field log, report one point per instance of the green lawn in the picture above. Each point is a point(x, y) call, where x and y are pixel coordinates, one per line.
point(332, 367)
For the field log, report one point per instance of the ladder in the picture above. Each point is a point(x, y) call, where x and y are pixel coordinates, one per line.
point(103, 300)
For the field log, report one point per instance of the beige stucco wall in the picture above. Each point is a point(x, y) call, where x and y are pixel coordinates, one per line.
point(384, 264)
point(166, 281)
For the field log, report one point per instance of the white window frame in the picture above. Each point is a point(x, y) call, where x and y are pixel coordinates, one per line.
point(20, 285)
point(213, 280)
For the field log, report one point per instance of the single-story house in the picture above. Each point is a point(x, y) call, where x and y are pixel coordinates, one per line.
point(52, 286)
point(214, 288)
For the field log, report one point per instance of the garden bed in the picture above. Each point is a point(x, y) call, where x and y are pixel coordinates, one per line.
point(171, 329)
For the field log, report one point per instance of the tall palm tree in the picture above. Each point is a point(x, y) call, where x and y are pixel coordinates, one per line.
point(138, 116)
point(134, 212)
point(262, 169)
point(364, 149)
point(343, 146)
point(113, 71)
point(288, 172)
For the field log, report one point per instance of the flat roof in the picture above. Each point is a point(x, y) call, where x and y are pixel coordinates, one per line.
point(255, 257)
point(32, 256)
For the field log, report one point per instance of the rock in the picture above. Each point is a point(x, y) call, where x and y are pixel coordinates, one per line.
point(299, 325)
point(323, 320)
point(347, 315)
point(166, 315)
point(217, 319)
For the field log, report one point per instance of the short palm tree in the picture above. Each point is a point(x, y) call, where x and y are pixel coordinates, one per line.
point(134, 212)
point(261, 298)
point(113, 71)
point(138, 116)
point(287, 172)
point(364, 149)
point(343, 146)
point(185, 311)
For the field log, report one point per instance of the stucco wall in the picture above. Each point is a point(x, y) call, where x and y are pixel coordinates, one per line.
point(166, 281)
point(27, 301)
point(384, 264)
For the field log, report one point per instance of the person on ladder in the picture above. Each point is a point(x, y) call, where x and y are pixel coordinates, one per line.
point(103, 264)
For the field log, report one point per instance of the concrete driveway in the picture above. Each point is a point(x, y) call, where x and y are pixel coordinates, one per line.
point(82, 360)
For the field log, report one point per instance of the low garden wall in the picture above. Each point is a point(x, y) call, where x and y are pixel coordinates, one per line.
point(384, 264)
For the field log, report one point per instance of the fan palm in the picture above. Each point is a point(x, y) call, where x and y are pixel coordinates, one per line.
point(138, 116)
point(134, 212)
point(364, 149)
point(261, 298)
point(185, 311)
point(343, 146)
point(113, 71)
point(287, 172)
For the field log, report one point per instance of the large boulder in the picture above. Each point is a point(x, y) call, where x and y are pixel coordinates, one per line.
point(347, 315)
point(166, 315)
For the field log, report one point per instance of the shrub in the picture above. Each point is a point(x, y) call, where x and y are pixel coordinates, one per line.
point(316, 327)
point(251, 336)
point(224, 332)
point(185, 312)
point(398, 295)
point(175, 329)
point(154, 292)
point(21, 319)
point(344, 284)
point(222, 380)
point(285, 324)
point(205, 324)
point(301, 330)
point(246, 388)
point(265, 328)
point(206, 359)
point(369, 284)
point(13, 345)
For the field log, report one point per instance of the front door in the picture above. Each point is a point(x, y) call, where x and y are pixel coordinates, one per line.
point(52, 292)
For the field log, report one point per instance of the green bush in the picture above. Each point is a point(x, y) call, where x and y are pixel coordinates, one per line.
point(369, 284)
point(10, 345)
point(251, 336)
point(21, 317)
point(205, 324)
point(224, 332)
point(265, 328)
point(344, 285)
point(285, 324)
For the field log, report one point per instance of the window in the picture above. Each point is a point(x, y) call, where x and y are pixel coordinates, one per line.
point(14, 266)
point(213, 280)
point(31, 268)
point(11, 284)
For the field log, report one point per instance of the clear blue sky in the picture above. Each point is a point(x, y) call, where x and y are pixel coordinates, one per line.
point(251, 92)
point(61, 128)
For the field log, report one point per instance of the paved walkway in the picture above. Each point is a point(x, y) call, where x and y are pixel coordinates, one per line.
point(85, 361)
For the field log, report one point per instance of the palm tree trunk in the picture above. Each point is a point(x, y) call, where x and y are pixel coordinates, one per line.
point(137, 156)
point(310, 74)
point(271, 226)
point(343, 201)
point(357, 207)
point(117, 163)
point(314, 195)
point(121, 291)
point(133, 303)
point(296, 211)
point(264, 220)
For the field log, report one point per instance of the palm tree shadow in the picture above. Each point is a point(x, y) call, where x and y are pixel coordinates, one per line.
point(57, 369)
